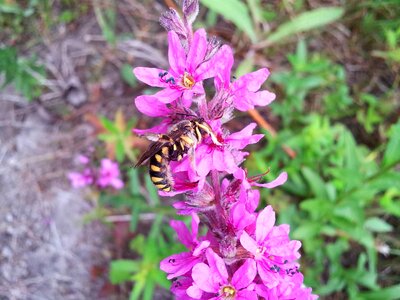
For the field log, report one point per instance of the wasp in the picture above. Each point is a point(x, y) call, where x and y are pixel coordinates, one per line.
point(173, 146)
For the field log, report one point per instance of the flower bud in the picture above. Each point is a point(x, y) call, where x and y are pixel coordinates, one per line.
point(171, 21)
point(190, 10)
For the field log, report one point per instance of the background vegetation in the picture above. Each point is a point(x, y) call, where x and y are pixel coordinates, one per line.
point(334, 127)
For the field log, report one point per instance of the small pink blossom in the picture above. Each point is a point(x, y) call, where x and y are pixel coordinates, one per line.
point(179, 264)
point(245, 91)
point(272, 249)
point(109, 174)
point(215, 280)
point(183, 79)
point(79, 180)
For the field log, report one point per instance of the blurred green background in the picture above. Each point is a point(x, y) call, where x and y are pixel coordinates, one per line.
point(335, 124)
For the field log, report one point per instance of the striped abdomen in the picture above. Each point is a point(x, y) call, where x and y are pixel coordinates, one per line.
point(159, 169)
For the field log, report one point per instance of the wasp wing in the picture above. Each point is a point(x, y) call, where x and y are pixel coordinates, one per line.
point(154, 148)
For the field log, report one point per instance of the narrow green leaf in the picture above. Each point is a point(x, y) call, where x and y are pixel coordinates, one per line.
point(377, 225)
point(389, 293)
point(234, 11)
point(134, 183)
point(119, 150)
point(127, 75)
point(306, 21)
point(152, 190)
point(122, 270)
point(392, 153)
point(109, 125)
point(315, 182)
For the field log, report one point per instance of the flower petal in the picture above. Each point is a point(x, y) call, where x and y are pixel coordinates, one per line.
point(245, 274)
point(221, 63)
point(281, 179)
point(197, 51)
point(241, 139)
point(263, 98)
point(150, 76)
point(204, 278)
point(178, 264)
point(151, 106)
point(240, 217)
point(183, 233)
point(167, 95)
point(217, 265)
point(194, 292)
point(246, 295)
point(248, 242)
point(176, 53)
point(265, 222)
point(251, 81)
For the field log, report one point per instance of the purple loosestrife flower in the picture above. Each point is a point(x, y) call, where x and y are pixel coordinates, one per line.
point(244, 93)
point(272, 249)
point(214, 280)
point(185, 76)
point(180, 264)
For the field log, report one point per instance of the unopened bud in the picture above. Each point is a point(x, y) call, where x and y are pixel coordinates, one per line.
point(190, 10)
point(171, 21)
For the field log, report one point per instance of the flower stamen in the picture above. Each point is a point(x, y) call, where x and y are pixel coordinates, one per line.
point(188, 80)
point(228, 292)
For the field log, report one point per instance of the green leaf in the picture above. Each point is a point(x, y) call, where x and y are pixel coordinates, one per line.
point(390, 203)
point(389, 293)
point(134, 183)
point(392, 153)
point(8, 64)
point(127, 75)
point(106, 19)
point(109, 125)
point(377, 225)
point(234, 11)
point(120, 150)
point(152, 190)
point(122, 270)
point(306, 21)
point(315, 182)
point(246, 66)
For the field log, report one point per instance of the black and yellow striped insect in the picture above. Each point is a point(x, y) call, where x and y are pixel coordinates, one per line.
point(180, 140)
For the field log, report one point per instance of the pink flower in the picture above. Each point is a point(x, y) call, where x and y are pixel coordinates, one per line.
point(245, 91)
point(272, 249)
point(184, 78)
point(215, 280)
point(79, 180)
point(109, 174)
point(179, 264)
point(83, 159)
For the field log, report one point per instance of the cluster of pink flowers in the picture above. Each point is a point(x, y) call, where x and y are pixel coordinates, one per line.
point(106, 175)
point(244, 255)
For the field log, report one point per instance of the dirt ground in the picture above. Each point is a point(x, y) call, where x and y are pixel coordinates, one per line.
point(46, 250)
